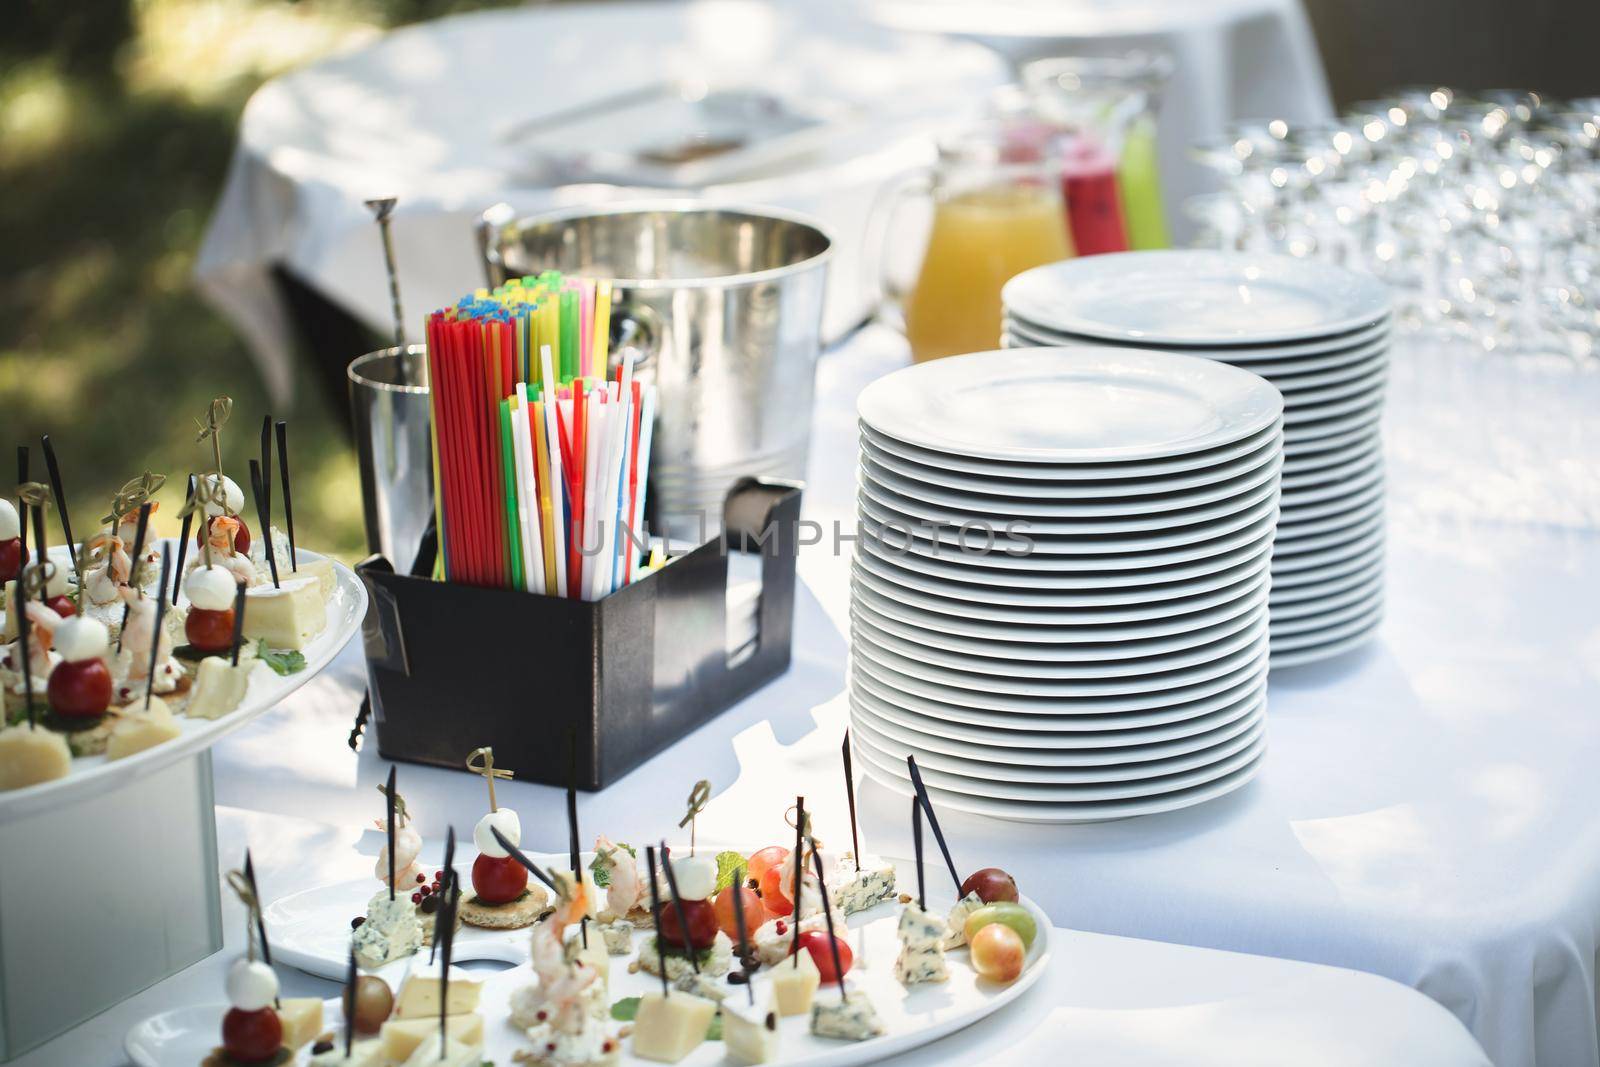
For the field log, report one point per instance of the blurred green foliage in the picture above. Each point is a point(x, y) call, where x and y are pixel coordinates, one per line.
point(117, 118)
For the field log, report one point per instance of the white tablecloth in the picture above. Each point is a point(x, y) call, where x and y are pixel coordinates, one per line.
point(414, 115)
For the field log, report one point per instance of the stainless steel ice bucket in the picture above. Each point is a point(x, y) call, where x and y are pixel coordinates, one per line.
point(723, 305)
point(389, 406)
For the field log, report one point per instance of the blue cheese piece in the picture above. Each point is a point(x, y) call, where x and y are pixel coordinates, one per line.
point(957, 935)
point(750, 1031)
point(855, 890)
point(618, 936)
point(715, 960)
point(921, 956)
point(392, 930)
point(703, 985)
point(850, 1019)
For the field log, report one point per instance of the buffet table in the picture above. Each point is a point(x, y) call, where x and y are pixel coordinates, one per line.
point(1424, 813)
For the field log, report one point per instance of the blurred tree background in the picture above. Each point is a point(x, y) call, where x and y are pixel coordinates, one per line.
point(117, 118)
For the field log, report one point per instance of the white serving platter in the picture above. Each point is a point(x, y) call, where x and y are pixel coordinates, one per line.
point(183, 1037)
point(1065, 405)
point(1261, 358)
point(93, 775)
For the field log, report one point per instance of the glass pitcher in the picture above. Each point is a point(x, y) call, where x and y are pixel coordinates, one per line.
point(995, 198)
point(1105, 109)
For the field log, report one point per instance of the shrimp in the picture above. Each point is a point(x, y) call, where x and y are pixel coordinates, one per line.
point(219, 535)
point(564, 998)
point(623, 884)
point(128, 532)
point(138, 636)
point(41, 637)
point(407, 846)
point(104, 582)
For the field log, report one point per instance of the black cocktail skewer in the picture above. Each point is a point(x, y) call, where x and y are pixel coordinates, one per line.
point(683, 918)
point(288, 500)
point(933, 820)
point(655, 916)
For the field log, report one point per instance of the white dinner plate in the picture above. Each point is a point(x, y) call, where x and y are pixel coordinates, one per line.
point(1057, 749)
point(1022, 772)
point(185, 1036)
point(1027, 334)
point(1361, 623)
point(1310, 462)
point(1334, 647)
point(1363, 402)
point(1370, 503)
point(1319, 444)
point(1332, 614)
point(1008, 498)
point(1341, 427)
point(1015, 589)
point(1333, 538)
point(1038, 793)
point(1134, 563)
point(1198, 297)
point(1285, 597)
point(995, 544)
point(1353, 593)
point(1079, 405)
point(1204, 460)
point(1298, 477)
point(1292, 376)
point(1291, 584)
point(1153, 708)
point(1052, 488)
point(1085, 812)
point(1256, 489)
point(1357, 476)
point(990, 686)
point(1361, 548)
point(1052, 625)
point(1295, 517)
point(1300, 399)
point(1007, 659)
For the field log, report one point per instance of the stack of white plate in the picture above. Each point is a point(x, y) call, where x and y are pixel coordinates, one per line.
point(1106, 655)
point(1317, 332)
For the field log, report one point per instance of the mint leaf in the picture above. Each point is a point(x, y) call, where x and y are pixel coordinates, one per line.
point(728, 864)
point(714, 1031)
point(284, 663)
point(625, 1009)
point(601, 868)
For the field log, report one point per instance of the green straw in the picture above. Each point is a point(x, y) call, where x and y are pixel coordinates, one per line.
point(569, 334)
point(508, 463)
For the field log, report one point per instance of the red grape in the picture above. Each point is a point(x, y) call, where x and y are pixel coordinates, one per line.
point(498, 879)
point(62, 605)
point(991, 884)
point(765, 859)
point(80, 690)
point(772, 892)
point(10, 558)
point(252, 1036)
point(702, 920)
point(816, 943)
point(209, 631)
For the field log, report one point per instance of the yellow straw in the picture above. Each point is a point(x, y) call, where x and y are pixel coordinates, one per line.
point(602, 325)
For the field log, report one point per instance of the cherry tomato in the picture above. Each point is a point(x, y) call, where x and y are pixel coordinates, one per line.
point(754, 915)
point(62, 605)
point(816, 943)
point(998, 953)
point(374, 1002)
point(498, 880)
point(252, 1036)
point(702, 919)
point(209, 631)
point(10, 558)
point(241, 539)
point(991, 884)
point(772, 894)
point(764, 860)
point(80, 690)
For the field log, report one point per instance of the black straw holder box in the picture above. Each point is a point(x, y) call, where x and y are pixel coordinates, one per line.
point(453, 667)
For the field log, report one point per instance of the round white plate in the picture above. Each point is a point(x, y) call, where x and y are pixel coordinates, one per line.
point(183, 1038)
point(1295, 519)
point(1022, 772)
point(1197, 297)
point(1205, 460)
point(1328, 349)
point(1034, 715)
point(1317, 653)
point(1341, 427)
point(1351, 594)
point(1372, 502)
point(991, 686)
point(1311, 462)
point(1292, 376)
point(1086, 812)
point(1095, 521)
point(1096, 488)
point(1343, 535)
point(1300, 477)
point(1316, 415)
point(1361, 548)
point(1055, 661)
point(1056, 625)
point(1080, 405)
point(1058, 749)
point(1304, 398)
point(1035, 793)
point(1361, 623)
point(1331, 615)
point(1359, 476)
point(994, 545)
point(1009, 498)
point(1287, 597)
point(1319, 444)
point(1018, 591)
point(94, 775)
point(1296, 583)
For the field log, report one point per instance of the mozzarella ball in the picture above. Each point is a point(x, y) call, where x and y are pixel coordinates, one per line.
point(56, 584)
point(80, 638)
point(696, 875)
point(10, 525)
point(211, 588)
point(251, 985)
point(507, 822)
point(230, 492)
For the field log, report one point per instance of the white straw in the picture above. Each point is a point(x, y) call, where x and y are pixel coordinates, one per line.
point(528, 509)
point(641, 462)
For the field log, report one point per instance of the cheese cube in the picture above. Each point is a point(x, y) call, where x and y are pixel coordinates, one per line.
point(141, 728)
point(794, 984)
point(444, 1052)
point(958, 920)
point(400, 1037)
point(596, 954)
point(419, 997)
point(285, 616)
point(320, 569)
point(855, 890)
point(219, 687)
point(851, 1019)
point(667, 1029)
point(32, 754)
point(362, 1054)
point(618, 937)
point(302, 1020)
point(750, 1032)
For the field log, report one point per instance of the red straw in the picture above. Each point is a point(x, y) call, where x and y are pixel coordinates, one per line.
point(633, 488)
point(580, 432)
